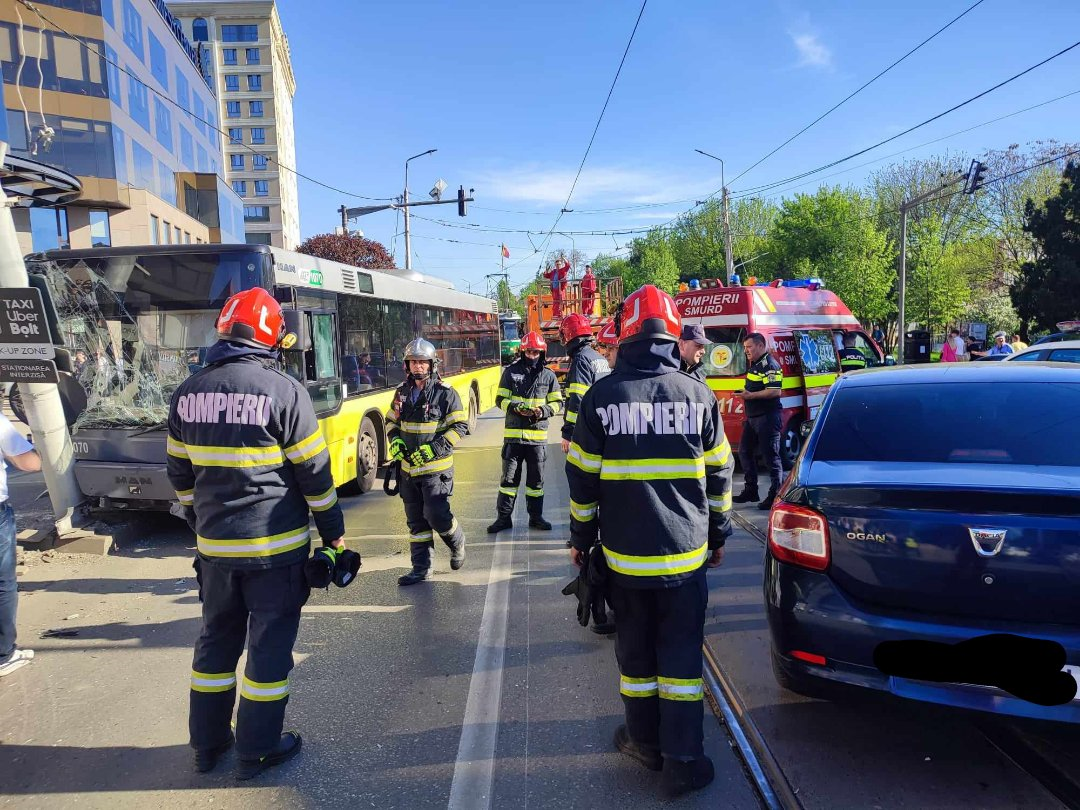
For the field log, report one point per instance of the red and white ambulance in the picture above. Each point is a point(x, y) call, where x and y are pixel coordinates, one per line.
point(803, 325)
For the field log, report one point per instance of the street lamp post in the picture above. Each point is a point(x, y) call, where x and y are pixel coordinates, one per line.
point(405, 200)
point(728, 258)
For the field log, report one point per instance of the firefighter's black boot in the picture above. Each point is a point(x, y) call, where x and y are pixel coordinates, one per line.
point(538, 522)
point(421, 564)
point(766, 504)
point(647, 755)
point(682, 777)
point(501, 522)
point(457, 551)
point(288, 746)
point(747, 495)
point(206, 759)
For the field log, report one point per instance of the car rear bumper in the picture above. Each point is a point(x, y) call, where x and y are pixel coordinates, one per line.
point(809, 616)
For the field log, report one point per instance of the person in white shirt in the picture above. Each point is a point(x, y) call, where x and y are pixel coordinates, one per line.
point(20, 453)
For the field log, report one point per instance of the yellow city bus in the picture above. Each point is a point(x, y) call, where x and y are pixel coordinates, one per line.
point(137, 321)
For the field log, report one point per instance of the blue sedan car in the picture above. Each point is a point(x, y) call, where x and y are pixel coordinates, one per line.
point(927, 542)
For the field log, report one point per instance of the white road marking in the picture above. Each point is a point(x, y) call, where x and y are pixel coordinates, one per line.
point(355, 608)
point(474, 767)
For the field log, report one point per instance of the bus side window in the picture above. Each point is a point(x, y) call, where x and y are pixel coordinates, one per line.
point(324, 384)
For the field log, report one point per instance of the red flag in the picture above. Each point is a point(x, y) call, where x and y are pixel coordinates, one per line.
point(505, 252)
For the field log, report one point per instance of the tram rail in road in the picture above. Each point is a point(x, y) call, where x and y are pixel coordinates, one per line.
point(767, 774)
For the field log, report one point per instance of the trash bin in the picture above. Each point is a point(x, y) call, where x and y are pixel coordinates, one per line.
point(917, 344)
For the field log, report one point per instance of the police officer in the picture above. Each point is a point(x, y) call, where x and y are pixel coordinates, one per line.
point(586, 366)
point(425, 422)
point(530, 395)
point(692, 343)
point(649, 470)
point(248, 461)
point(851, 359)
point(761, 423)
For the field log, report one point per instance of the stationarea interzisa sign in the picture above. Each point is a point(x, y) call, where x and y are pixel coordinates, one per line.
point(26, 348)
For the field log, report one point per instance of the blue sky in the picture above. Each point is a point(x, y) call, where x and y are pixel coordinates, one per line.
point(509, 94)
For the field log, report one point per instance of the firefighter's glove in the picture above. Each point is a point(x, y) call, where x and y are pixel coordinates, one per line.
point(520, 408)
point(397, 449)
point(319, 569)
point(422, 455)
point(580, 588)
point(346, 567)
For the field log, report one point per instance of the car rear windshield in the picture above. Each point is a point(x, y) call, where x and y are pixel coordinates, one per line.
point(1028, 423)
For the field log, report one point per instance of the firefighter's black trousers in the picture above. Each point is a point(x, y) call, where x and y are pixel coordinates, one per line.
point(761, 434)
point(427, 511)
point(263, 606)
point(531, 457)
point(658, 643)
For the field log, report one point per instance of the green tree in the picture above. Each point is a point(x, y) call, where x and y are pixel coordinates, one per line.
point(652, 261)
point(833, 235)
point(1047, 289)
point(348, 249)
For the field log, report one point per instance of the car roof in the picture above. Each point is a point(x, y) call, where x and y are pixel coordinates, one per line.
point(962, 373)
point(1050, 346)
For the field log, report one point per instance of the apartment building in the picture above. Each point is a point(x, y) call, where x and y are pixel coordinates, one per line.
point(128, 112)
point(245, 55)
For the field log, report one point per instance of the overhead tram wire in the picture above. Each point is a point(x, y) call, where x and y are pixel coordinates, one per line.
point(547, 239)
point(33, 7)
point(856, 92)
point(954, 108)
point(744, 196)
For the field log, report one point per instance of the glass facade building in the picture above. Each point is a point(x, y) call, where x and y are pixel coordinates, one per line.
point(131, 115)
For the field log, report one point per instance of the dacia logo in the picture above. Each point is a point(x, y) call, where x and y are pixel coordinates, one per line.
point(873, 538)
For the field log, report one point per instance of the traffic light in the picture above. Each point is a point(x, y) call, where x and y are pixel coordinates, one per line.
point(976, 177)
point(462, 204)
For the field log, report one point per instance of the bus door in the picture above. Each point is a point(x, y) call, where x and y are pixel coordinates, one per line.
point(820, 365)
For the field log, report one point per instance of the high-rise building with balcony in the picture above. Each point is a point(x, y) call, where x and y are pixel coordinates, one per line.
point(127, 111)
point(245, 54)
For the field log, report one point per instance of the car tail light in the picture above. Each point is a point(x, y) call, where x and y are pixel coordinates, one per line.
point(810, 658)
point(799, 536)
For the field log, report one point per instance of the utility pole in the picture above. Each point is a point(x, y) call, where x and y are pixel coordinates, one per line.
point(344, 220)
point(727, 235)
point(905, 206)
point(405, 202)
point(44, 410)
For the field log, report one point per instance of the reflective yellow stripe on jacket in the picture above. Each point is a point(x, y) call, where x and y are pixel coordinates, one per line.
point(586, 462)
point(420, 428)
point(204, 455)
point(437, 465)
point(320, 503)
point(306, 448)
point(649, 469)
point(664, 565)
point(583, 512)
point(527, 435)
point(266, 546)
point(719, 455)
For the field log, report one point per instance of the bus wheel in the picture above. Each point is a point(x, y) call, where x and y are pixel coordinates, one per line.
point(367, 460)
point(474, 410)
point(790, 443)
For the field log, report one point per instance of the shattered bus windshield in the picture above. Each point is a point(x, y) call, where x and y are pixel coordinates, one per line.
point(138, 325)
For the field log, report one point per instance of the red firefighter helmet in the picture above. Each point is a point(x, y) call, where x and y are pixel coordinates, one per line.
point(534, 340)
point(574, 325)
point(649, 313)
point(252, 317)
point(608, 336)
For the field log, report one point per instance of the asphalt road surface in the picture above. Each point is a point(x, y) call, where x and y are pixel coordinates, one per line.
point(477, 689)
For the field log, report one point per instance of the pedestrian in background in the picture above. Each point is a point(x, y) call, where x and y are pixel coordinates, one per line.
point(20, 454)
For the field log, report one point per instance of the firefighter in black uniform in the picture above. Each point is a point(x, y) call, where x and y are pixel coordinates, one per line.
point(761, 423)
point(425, 422)
point(692, 343)
point(851, 359)
point(248, 461)
point(530, 395)
point(586, 366)
point(649, 470)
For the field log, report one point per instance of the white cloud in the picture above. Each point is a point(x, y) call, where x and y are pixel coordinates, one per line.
point(812, 52)
point(602, 186)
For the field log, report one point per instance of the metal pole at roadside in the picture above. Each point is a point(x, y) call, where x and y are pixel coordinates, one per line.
point(901, 329)
point(41, 401)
